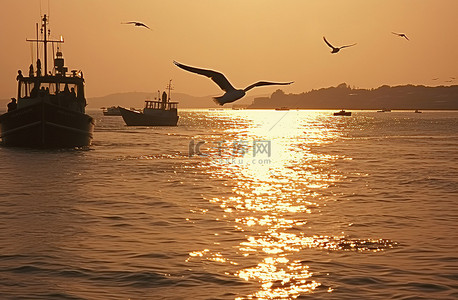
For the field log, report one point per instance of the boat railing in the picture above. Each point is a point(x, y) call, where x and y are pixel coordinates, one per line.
point(161, 105)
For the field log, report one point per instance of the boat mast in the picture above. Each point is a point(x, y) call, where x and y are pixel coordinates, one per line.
point(45, 42)
point(169, 87)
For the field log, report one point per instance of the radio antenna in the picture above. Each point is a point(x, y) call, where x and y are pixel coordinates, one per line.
point(38, 54)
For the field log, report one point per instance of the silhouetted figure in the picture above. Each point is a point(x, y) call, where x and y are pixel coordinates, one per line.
point(81, 101)
point(164, 99)
point(19, 75)
point(35, 89)
point(42, 92)
point(31, 73)
point(64, 97)
point(139, 24)
point(401, 35)
point(66, 89)
point(336, 49)
point(72, 92)
point(12, 105)
point(231, 94)
point(38, 67)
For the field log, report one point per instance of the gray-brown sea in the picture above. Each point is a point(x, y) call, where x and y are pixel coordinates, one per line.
point(237, 204)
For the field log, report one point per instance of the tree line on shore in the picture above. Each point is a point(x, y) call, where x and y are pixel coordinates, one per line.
point(345, 97)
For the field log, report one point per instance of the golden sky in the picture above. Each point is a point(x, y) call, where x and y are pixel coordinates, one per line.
point(247, 40)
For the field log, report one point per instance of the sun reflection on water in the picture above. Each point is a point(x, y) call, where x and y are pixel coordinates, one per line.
point(271, 201)
point(279, 278)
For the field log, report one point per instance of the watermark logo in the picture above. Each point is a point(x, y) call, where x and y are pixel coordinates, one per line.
point(235, 152)
point(194, 148)
point(261, 147)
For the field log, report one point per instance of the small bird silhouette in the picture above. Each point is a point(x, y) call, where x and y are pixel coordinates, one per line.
point(232, 94)
point(139, 24)
point(401, 35)
point(336, 49)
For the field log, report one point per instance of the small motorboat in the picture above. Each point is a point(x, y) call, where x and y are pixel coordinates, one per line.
point(342, 113)
point(111, 111)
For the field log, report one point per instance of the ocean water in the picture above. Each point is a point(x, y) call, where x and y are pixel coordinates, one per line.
point(237, 204)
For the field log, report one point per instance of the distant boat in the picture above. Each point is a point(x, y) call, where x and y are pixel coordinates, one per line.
point(384, 110)
point(155, 113)
point(50, 108)
point(282, 108)
point(417, 111)
point(342, 113)
point(111, 111)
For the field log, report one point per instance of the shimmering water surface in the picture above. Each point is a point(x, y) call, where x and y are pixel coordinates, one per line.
point(237, 204)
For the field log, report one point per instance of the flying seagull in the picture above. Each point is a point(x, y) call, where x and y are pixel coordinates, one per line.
point(139, 24)
point(336, 49)
point(401, 35)
point(232, 94)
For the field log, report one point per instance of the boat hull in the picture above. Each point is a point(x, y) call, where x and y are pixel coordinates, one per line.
point(152, 118)
point(111, 114)
point(46, 125)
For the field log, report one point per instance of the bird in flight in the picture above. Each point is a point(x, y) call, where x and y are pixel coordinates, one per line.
point(401, 35)
point(139, 24)
point(232, 94)
point(336, 49)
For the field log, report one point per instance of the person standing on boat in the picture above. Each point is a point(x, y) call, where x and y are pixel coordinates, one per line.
point(80, 100)
point(164, 99)
point(19, 75)
point(12, 105)
point(31, 70)
point(35, 89)
point(66, 89)
point(38, 68)
point(72, 92)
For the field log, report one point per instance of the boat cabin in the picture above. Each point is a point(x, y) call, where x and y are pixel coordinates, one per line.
point(160, 105)
point(64, 91)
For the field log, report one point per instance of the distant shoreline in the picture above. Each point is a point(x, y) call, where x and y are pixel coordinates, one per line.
point(404, 97)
